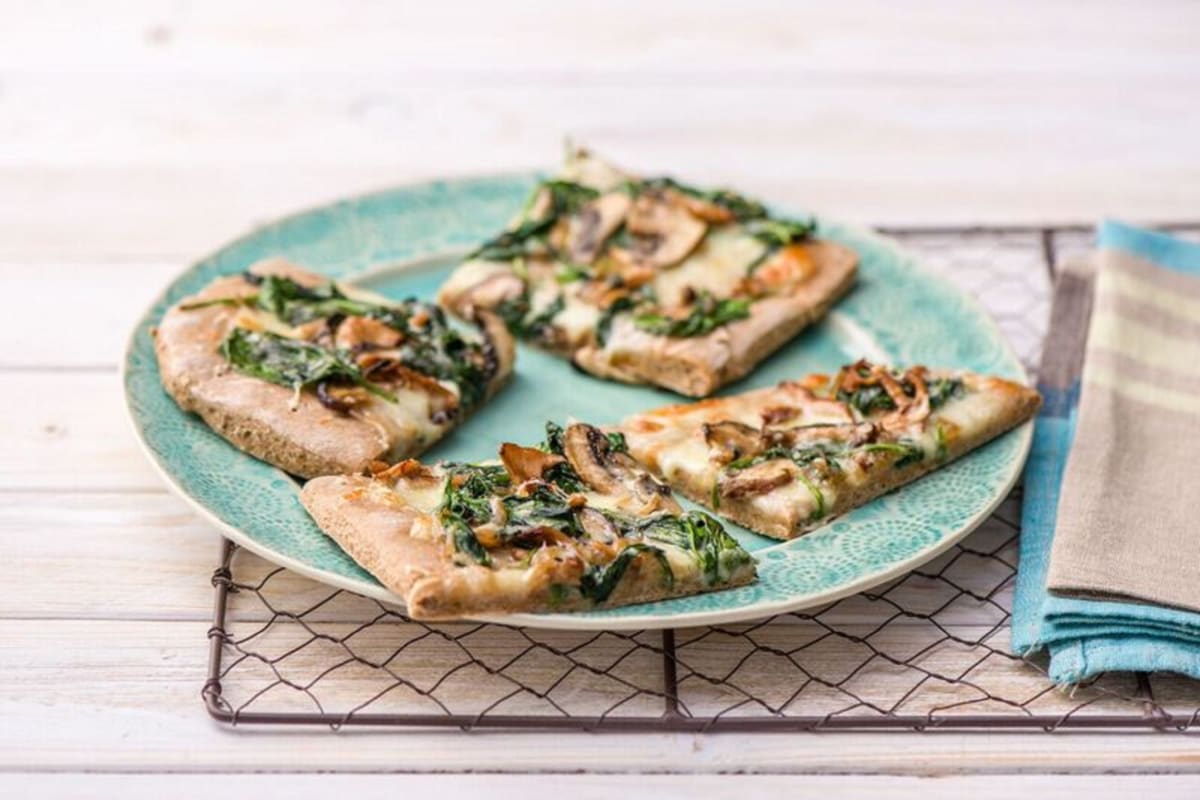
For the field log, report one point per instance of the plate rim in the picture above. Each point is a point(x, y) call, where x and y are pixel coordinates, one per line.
point(570, 621)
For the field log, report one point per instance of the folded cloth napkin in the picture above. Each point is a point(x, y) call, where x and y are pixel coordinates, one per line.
point(1109, 574)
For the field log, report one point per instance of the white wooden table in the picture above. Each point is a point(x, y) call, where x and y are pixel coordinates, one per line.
point(136, 137)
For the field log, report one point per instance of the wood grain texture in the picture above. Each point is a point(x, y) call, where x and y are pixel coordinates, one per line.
point(135, 138)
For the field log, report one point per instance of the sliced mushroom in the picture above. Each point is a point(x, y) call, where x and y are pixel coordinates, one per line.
point(849, 434)
point(612, 473)
point(706, 210)
point(342, 399)
point(773, 415)
point(597, 526)
point(909, 410)
point(499, 347)
point(589, 452)
point(664, 231)
point(730, 440)
point(525, 463)
point(491, 292)
point(587, 231)
point(756, 480)
point(409, 470)
point(356, 332)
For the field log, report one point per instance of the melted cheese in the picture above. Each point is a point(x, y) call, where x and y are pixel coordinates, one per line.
point(577, 319)
point(407, 420)
point(717, 266)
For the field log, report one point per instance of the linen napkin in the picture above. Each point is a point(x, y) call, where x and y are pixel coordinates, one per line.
point(1108, 511)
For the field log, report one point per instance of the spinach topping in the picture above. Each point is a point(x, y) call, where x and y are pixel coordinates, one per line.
point(741, 207)
point(530, 235)
point(943, 390)
point(706, 315)
point(515, 313)
point(866, 400)
point(437, 349)
point(432, 347)
point(467, 501)
point(292, 363)
point(516, 243)
point(599, 581)
point(869, 399)
point(697, 533)
point(909, 451)
point(544, 507)
point(561, 475)
point(777, 234)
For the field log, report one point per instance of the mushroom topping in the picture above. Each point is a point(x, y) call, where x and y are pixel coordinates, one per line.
point(492, 291)
point(706, 210)
point(342, 399)
point(587, 231)
point(525, 463)
point(851, 435)
point(730, 440)
point(409, 470)
point(499, 348)
point(359, 333)
point(907, 400)
point(756, 480)
point(610, 472)
point(385, 367)
point(597, 526)
point(664, 231)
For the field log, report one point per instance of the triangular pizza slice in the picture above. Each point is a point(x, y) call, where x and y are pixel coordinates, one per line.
point(572, 524)
point(787, 459)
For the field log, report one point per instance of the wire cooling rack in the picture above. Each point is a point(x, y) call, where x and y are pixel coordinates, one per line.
point(925, 651)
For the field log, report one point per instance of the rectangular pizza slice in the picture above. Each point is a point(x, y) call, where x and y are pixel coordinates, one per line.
point(648, 280)
point(789, 458)
point(571, 524)
point(320, 378)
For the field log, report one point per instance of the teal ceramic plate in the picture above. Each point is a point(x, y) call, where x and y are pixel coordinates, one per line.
point(404, 241)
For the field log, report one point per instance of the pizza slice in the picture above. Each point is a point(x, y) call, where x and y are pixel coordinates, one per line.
point(572, 524)
point(650, 281)
point(787, 459)
point(320, 378)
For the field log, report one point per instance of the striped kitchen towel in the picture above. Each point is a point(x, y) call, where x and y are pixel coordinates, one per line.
point(1109, 574)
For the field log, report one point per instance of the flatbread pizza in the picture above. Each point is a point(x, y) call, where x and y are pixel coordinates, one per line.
point(571, 524)
point(320, 378)
point(651, 281)
point(787, 459)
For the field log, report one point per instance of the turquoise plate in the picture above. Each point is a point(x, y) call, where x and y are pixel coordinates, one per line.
point(404, 242)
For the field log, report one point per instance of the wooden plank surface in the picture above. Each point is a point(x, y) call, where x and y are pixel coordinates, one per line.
point(135, 138)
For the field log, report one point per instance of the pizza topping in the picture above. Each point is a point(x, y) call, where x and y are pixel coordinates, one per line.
point(662, 231)
point(524, 463)
point(292, 363)
point(758, 479)
point(685, 261)
point(705, 315)
point(588, 231)
point(331, 342)
point(539, 511)
point(731, 440)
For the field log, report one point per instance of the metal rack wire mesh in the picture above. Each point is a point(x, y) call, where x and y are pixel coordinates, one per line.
point(926, 651)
